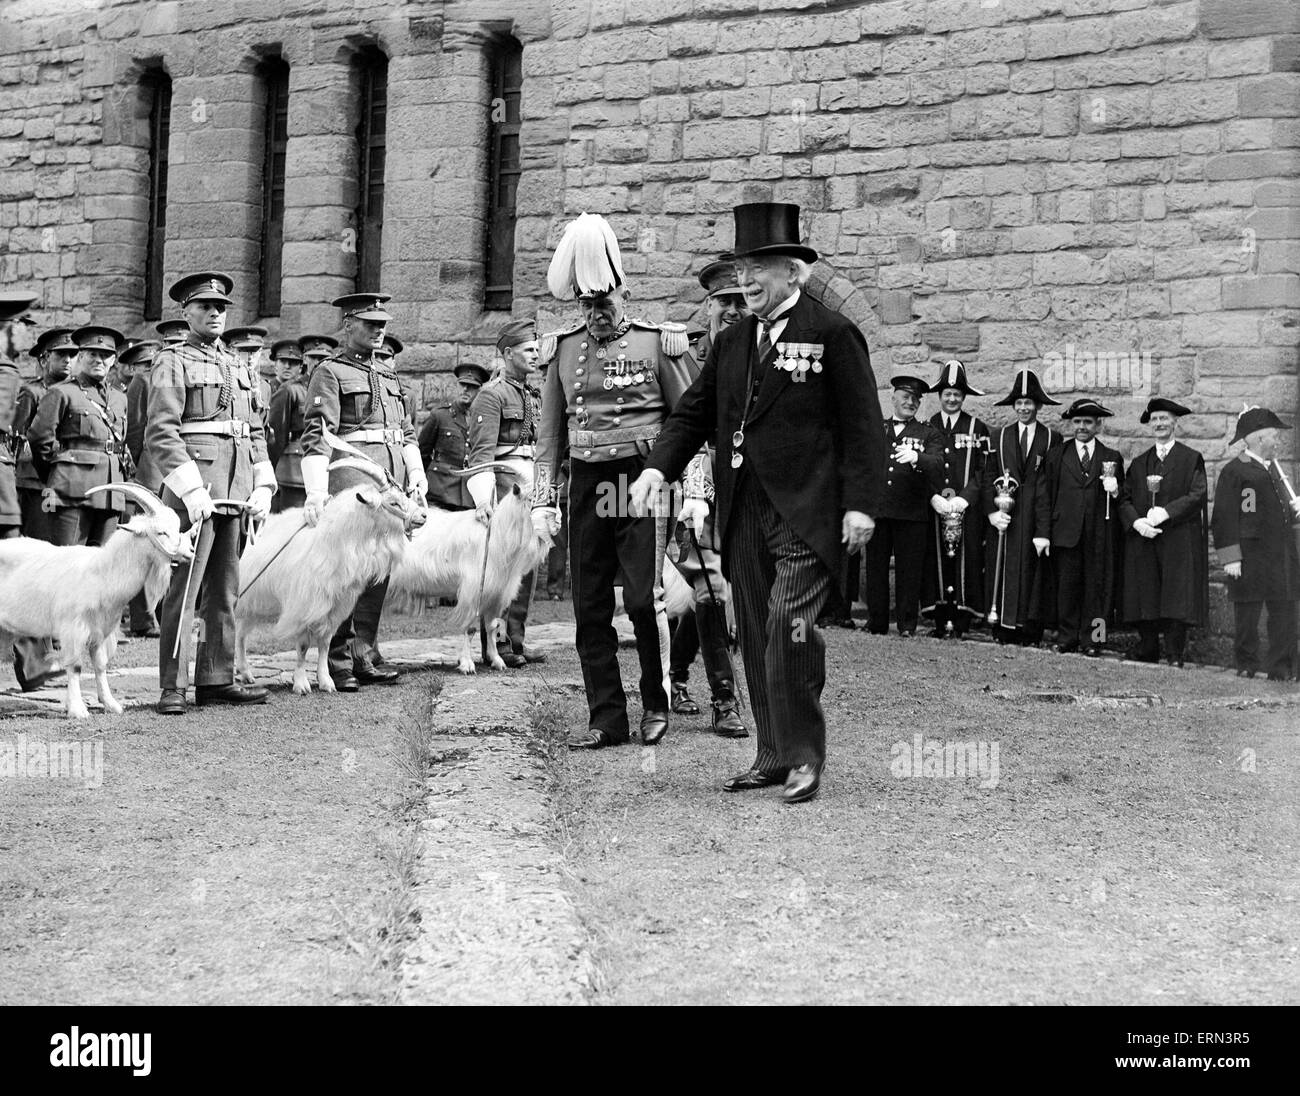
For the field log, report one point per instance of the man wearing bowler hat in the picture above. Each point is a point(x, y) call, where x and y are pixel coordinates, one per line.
point(952, 587)
point(358, 398)
point(444, 442)
point(1166, 546)
point(203, 438)
point(1255, 515)
point(791, 397)
point(1018, 591)
point(1078, 525)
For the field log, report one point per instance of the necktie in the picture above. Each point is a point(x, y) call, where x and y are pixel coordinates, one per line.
point(1024, 441)
point(764, 338)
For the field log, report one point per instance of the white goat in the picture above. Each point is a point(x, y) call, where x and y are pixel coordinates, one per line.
point(446, 559)
point(76, 593)
point(302, 581)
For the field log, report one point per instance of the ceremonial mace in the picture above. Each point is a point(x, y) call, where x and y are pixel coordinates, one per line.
point(1004, 500)
point(1108, 470)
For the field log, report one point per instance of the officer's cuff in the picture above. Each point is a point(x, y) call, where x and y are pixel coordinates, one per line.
point(414, 462)
point(482, 487)
point(1230, 553)
point(264, 476)
point(316, 474)
point(184, 479)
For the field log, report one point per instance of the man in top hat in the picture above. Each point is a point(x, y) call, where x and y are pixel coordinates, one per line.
point(54, 352)
point(1255, 515)
point(359, 399)
point(791, 397)
point(203, 438)
point(444, 442)
point(13, 311)
point(611, 385)
point(1166, 547)
point(912, 480)
point(503, 428)
point(1078, 525)
point(952, 586)
point(1014, 582)
point(284, 417)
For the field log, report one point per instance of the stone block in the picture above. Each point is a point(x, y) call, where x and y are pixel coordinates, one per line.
point(1248, 18)
point(1274, 96)
point(1068, 39)
point(1262, 291)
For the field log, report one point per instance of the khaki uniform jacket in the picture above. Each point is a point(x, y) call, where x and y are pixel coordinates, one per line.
point(78, 441)
point(29, 399)
point(444, 447)
point(204, 424)
point(286, 418)
point(10, 382)
point(500, 429)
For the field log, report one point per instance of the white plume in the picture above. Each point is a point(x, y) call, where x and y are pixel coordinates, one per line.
point(587, 259)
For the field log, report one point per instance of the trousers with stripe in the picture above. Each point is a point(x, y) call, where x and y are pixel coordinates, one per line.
point(780, 587)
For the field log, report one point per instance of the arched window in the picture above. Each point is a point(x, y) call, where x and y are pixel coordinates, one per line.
point(503, 174)
point(156, 87)
point(274, 74)
point(372, 132)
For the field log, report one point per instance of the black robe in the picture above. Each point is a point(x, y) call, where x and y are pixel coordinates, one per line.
point(958, 580)
point(1253, 525)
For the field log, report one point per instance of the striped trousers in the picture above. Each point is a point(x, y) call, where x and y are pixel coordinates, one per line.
point(780, 587)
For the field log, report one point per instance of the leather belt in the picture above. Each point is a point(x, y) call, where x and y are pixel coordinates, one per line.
point(230, 428)
point(76, 452)
point(385, 436)
point(594, 439)
point(523, 452)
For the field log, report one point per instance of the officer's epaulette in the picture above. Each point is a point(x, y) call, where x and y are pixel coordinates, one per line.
point(549, 343)
point(672, 336)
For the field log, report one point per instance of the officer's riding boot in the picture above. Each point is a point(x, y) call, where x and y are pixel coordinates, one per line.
point(711, 620)
point(365, 626)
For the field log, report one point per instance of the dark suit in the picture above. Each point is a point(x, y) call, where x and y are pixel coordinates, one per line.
point(812, 449)
point(1085, 537)
point(952, 587)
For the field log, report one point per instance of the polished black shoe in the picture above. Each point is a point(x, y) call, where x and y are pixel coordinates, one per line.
point(146, 633)
point(726, 719)
point(682, 703)
point(802, 783)
point(1246, 673)
point(172, 702)
point(512, 660)
point(1066, 648)
point(907, 633)
point(367, 673)
point(532, 656)
point(654, 725)
point(751, 779)
point(229, 694)
point(345, 684)
point(593, 738)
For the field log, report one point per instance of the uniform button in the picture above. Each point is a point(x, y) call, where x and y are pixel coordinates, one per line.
point(623, 343)
point(582, 358)
point(586, 452)
point(577, 385)
point(613, 450)
point(619, 399)
point(584, 346)
point(579, 400)
point(617, 421)
point(578, 372)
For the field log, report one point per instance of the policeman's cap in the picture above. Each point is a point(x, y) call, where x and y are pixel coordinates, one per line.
point(56, 338)
point(1085, 407)
point(140, 352)
point(910, 384)
point(95, 337)
point(1162, 404)
point(245, 338)
point(211, 285)
point(363, 306)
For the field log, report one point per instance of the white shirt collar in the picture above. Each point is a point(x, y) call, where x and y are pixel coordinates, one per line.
point(778, 318)
point(1163, 448)
point(1256, 456)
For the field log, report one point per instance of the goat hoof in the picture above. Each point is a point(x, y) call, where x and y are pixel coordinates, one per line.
point(112, 706)
point(466, 668)
point(79, 713)
point(325, 685)
point(497, 664)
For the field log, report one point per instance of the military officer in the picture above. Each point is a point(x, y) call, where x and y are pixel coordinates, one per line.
point(78, 441)
point(913, 478)
point(952, 588)
point(612, 385)
point(54, 352)
point(249, 345)
point(139, 358)
point(172, 332)
point(315, 349)
point(285, 416)
point(360, 400)
point(503, 428)
point(204, 439)
point(444, 442)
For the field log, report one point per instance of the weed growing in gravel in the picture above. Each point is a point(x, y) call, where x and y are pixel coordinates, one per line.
point(413, 751)
point(547, 733)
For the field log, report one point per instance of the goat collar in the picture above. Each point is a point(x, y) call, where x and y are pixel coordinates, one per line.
point(152, 534)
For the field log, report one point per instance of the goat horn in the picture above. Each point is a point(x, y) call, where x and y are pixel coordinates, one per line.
point(146, 498)
point(486, 466)
point(361, 464)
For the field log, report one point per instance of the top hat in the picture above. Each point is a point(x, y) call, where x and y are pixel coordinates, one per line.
point(285, 350)
point(719, 278)
point(245, 338)
point(769, 228)
point(1256, 418)
point(1027, 387)
point(363, 306)
point(1159, 403)
point(210, 285)
point(172, 331)
point(95, 337)
point(14, 303)
point(139, 352)
point(469, 373)
point(910, 384)
point(1086, 406)
point(56, 338)
point(953, 375)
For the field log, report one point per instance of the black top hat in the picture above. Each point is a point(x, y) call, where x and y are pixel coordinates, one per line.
point(1256, 418)
point(911, 384)
point(719, 278)
point(286, 349)
point(317, 344)
point(211, 285)
point(469, 373)
point(172, 330)
point(953, 375)
point(15, 303)
point(363, 306)
point(769, 228)
point(95, 337)
point(245, 338)
point(1086, 406)
point(1027, 387)
point(1162, 404)
point(139, 352)
point(56, 338)
point(515, 333)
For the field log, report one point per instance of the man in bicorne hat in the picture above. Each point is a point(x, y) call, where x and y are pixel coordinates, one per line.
point(1166, 558)
point(791, 398)
point(1078, 525)
point(444, 442)
point(952, 585)
point(611, 384)
point(1254, 534)
point(357, 397)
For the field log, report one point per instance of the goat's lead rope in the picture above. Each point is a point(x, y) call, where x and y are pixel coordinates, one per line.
point(244, 589)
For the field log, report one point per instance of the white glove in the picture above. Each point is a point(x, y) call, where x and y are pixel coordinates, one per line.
point(1157, 515)
point(546, 520)
point(417, 483)
point(694, 512)
point(856, 529)
point(314, 507)
point(958, 503)
point(198, 503)
point(1042, 546)
point(1145, 529)
point(259, 502)
point(940, 505)
point(904, 454)
point(1110, 485)
point(642, 495)
point(1295, 507)
point(482, 488)
point(1232, 570)
point(1000, 521)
